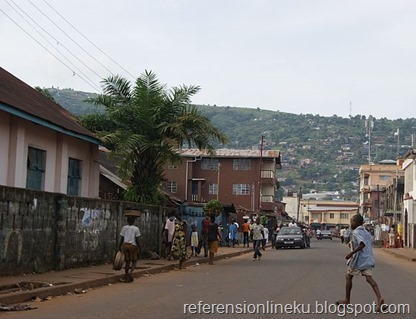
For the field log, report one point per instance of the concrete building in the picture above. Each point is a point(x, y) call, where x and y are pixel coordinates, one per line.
point(409, 200)
point(42, 146)
point(244, 178)
point(322, 214)
point(374, 180)
point(331, 214)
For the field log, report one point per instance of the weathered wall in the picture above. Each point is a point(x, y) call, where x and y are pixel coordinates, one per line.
point(42, 231)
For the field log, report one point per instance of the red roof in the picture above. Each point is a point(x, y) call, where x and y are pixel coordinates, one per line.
point(22, 97)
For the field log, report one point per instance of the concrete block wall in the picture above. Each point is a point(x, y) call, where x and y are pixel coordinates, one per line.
point(42, 231)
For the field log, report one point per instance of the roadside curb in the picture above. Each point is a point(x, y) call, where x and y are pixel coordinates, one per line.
point(52, 291)
point(398, 254)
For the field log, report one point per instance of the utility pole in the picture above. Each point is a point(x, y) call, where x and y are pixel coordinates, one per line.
point(260, 167)
point(299, 197)
point(369, 124)
point(218, 181)
point(397, 133)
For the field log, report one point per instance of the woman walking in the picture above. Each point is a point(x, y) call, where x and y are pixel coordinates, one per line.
point(179, 241)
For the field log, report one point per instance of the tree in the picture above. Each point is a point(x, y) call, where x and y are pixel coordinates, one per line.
point(145, 125)
point(213, 207)
point(45, 92)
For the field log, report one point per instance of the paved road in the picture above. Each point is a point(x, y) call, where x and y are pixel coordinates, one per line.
point(308, 278)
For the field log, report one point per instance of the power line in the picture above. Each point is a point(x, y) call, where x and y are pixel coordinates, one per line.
point(89, 40)
point(46, 48)
point(69, 61)
point(69, 37)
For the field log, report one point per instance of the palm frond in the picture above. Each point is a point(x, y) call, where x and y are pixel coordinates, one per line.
point(116, 87)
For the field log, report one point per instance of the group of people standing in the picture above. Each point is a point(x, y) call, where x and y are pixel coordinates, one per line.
point(175, 238)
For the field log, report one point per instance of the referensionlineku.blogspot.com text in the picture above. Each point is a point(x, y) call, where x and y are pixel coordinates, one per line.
point(270, 307)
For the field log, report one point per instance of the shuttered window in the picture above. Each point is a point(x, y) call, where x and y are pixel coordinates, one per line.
point(74, 177)
point(35, 169)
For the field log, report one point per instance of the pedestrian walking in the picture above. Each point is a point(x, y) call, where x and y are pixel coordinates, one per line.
point(213, 237)
point(232, 236)
point(167, 233)
point(274, 235)
point(392, 235)
point(246, 228)
point(342, 234)
point(265, 238)
point(293, 223)
point(129, 245)
point(318, 233)
point(257, 230)
point(204, 233)
point(360, 260)
point(347, 235)
point(194, 241)
point(179, 241)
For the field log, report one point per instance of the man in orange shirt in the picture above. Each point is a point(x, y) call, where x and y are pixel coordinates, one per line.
point(245, 227)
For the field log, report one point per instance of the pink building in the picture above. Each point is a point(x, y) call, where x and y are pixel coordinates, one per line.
point(42, 147)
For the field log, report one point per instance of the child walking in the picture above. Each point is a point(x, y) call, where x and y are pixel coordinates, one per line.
point(360, 260)
point(194, 241)
point(129, 244)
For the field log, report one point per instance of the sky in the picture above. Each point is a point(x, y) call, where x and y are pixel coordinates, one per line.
point(326, 57)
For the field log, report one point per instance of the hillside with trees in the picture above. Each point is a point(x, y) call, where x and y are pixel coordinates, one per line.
point(318, 153)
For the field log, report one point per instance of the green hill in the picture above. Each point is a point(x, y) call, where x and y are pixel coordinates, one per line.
point(320, 153)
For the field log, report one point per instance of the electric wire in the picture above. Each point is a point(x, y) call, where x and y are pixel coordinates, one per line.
point(73, 72)
point(79, 32)
point(69, 61)
point(69, 37)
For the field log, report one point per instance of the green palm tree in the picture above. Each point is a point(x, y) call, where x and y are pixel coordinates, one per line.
point(145, 125)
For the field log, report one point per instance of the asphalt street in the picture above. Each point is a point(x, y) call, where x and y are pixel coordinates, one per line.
point(289, 283)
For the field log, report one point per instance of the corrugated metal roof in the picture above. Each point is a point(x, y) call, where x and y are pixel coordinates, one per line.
point(112, 177)
point(25, 102)
point(231, 153)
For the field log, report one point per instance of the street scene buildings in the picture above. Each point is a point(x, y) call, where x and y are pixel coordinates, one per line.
point(46, 150)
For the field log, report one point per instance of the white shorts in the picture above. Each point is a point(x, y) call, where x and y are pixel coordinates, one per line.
point(363, 272)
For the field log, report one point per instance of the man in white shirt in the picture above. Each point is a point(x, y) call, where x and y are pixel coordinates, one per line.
point(129, 245)
point(257, 230)
point(342, 234)
point(293, 224)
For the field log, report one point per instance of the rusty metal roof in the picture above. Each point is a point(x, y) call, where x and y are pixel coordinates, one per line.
point(20, 99)
point(232, 153)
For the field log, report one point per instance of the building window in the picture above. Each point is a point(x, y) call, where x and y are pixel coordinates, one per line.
point(209, 164)
point(74, 177)
point(344, 216)
point(241, 189)
point(172, 187)
point(213, 189)
point(385, 177)
point(35, 169)
point(331, 215)
point(241, 164)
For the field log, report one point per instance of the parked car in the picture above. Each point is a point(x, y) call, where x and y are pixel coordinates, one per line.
point(335, 232)
point(290, 237)
point(325, 234)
